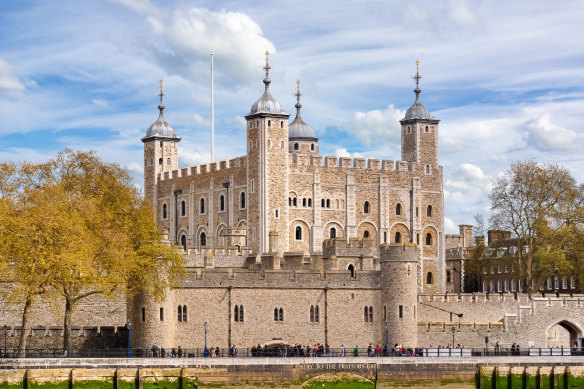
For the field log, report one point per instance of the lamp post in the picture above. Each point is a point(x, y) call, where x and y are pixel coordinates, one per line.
point(206, 352)
point(387, 338)
point(128, 326)
point(5, 328)
point(453, 328)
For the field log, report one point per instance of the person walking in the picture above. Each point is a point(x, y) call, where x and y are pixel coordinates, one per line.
point(342, 352)
point(356, 351)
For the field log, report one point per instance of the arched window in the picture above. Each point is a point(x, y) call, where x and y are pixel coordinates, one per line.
point(365, 234)
point(269, 123)
point(298, 234)
point(160, 161)
point(351, 268)
point(164, 211)
point(366, 314)
point(333, 233)
point(312, 314)
point(448, 279)
point(282, 124)
point(316, 314)
point(183, 208)
point(242, 200)
point(289, 201)
point(328, 203)
point(384, 236)
point(398, 209)
point(179, 316)
point(236, 313)
point(366, 207)
point(203, 239)
point(275, 314)
point(322, 203)
point(183, 242)
point(397, 237)
point(241, 313)
point(168, 161)
point(429, 211)
point(222, 203)
point(202, 206)
point(429, 278)
point(184, 313)
point(309, 203)
point(370, 314)
point(312, 147)
point(281, 314)
point(295, 146)
point(428, 239)
point(294, 201)
point(427, 169)
point(304, 202)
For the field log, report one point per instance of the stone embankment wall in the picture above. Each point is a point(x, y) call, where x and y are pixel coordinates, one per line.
point(511, 372)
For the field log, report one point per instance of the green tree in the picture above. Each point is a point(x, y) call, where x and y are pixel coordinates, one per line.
point(541, 206)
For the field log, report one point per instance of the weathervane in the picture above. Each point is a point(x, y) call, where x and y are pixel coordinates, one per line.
point(161, 94)
point(297, 94)
point(267, 67)
point(417, 77)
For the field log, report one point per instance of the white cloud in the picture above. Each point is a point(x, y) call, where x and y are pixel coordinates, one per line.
point(460, 14)
point(541, 134)
point(345, 154)
point(376, 126)
point(100, 103)
point(450, 227)
point(9, 85)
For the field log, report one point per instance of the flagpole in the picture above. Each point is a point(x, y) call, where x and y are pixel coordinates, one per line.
point(212, 113)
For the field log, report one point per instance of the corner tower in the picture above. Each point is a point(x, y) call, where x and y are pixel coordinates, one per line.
point(302, 137)
point(160, 152)
point(419, 131)
point(267, 170)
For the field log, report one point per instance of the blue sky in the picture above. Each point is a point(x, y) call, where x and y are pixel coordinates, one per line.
point(506, 78)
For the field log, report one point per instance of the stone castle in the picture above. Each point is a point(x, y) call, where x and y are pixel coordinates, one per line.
point(285, 245)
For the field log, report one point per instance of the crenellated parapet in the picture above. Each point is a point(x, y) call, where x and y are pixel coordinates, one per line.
point(354, 247)
point(212, 167)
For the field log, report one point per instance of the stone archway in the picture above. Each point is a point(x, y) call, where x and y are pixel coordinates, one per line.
point(563, 333)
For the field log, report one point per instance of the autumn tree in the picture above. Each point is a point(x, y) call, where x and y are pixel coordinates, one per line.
point(541, 205)
point(103, 236)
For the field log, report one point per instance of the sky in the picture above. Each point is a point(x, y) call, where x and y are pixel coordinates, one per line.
point(506, 79)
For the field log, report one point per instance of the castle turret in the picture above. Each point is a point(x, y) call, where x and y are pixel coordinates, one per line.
point(160, 154)
point(419, 132)
point(399, 279)
point(267, 170)
point(302, 137)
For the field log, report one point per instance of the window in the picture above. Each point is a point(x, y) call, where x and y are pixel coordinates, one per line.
point(397, 237)
point(506, 286)
point(309, 203)
point(276, 213)
point(161, 314)
point(289, 201)
point(333, 233)
point(400, 312)
point(183, 208)
point(164, 211)
point(429, 211)
point(506, 268)
point(498, 268)
point(572, 282)
point(183, 242)
point(365, 234)
point(428, 239)
point(417, 212)
point(513, 286)
point(241, 313)
point(236, 313)
point(242, 200)
point(368, 314)
point(282, 124)
point(322, 203)
point(295, 146)
point(179, 316)
point(222, 203)
point(312, 147)
point(143, 314)
point(418, 239)
point(160, 161)
point(384, 312)
point(202, 206)
point(312, 314)
point(298, 234)
point(328, 203)
point(203, 239)
point(398, 209)
point(269, 123)
point(316, 314)
point(492, 286)
point(304, 202)
point(282, 144)
point(168, 161)
point(184, 313)
point(556, 282)
point(427, 169)
point(448, 278)
point(429, 278)
point(269, 143)
point(351, 269)
point(252, 186)
point(278, 314)
point(294, 201)
point(384, 236)
point(366, 207)
point(499, 288)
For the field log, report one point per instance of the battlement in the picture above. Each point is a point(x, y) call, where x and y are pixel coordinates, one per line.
point(398, 252)
point(355, 247)
point(234, 163)
point(298, 159)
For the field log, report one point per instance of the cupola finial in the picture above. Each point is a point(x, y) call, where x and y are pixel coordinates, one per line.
point(161, 94)
point(267, 70)
point(298, 94)
point(417, 77)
